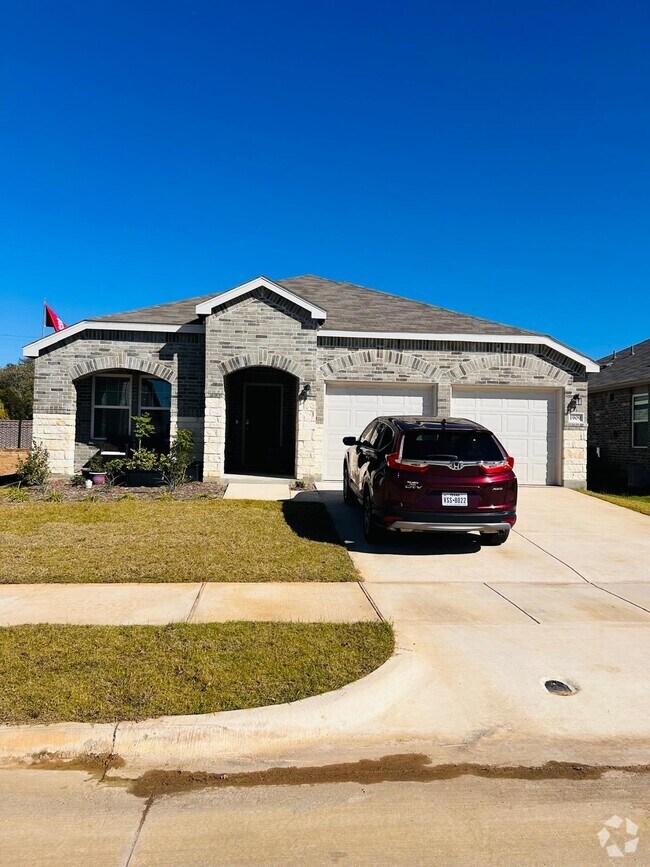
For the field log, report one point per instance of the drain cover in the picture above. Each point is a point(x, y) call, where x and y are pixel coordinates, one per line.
point(558, 687)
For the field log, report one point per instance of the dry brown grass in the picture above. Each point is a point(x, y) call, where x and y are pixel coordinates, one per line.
point(166, 540)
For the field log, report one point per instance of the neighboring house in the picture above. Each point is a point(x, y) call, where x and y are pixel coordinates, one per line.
point(619, 453)
point(271, 375)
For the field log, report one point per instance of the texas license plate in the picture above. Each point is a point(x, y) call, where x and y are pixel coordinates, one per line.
point(454, 499)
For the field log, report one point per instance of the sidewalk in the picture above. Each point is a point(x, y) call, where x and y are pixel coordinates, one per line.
point(134, 604)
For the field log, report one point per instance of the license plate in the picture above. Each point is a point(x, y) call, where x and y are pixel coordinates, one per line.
point(454, 499)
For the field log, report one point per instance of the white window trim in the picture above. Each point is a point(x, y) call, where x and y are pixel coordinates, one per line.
point(94, 406)
point(646, 395)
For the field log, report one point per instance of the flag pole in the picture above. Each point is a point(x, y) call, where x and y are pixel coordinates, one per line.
point(44, 315)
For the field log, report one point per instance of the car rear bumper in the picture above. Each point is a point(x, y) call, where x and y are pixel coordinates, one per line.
point(431, 522)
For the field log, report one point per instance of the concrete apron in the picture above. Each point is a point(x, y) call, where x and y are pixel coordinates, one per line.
point(466, 684)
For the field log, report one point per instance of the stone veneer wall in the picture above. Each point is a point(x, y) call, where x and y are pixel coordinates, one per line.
point(60, 373)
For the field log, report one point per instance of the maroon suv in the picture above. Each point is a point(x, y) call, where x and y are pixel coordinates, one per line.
point(431, 475)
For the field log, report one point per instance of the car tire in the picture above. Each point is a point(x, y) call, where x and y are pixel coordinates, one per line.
point(348, 496)
point(372, 532)
point(494, 538)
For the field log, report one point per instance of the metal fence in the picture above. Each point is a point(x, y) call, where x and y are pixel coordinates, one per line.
point(16, 434)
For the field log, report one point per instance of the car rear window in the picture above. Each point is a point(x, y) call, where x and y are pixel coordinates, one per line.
point(442, 445)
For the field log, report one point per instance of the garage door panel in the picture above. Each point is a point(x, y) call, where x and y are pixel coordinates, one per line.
point(523, 419)
point(350, 407)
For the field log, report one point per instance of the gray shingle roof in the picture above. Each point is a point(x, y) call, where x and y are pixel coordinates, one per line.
point(349, 308)
point(627, 367)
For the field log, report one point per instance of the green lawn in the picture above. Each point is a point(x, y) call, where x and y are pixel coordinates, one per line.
point(200, 540)
point(109, 673)
point(636, 502)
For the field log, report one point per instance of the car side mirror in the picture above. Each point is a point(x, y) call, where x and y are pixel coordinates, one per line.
point(350, 441)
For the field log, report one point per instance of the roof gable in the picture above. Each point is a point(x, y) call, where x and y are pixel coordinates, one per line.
point(206, 307)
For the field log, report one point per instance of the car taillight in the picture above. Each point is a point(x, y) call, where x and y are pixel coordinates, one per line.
point(396, 463)
point(497, 466)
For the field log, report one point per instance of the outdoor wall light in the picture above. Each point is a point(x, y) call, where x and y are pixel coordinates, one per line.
point(305, 392)
point(575, 401)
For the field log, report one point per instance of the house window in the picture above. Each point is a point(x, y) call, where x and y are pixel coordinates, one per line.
point(111, 418)
point(640, 420)
point(156, 401)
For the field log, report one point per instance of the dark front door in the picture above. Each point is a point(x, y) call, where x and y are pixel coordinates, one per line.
point(260, 421)
point(263, 434)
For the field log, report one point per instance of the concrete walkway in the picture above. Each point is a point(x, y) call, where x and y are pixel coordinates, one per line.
point(130, 604)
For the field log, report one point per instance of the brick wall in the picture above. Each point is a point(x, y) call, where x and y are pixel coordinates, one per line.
point(15, 434)
point(62, 383)
point(618, 464)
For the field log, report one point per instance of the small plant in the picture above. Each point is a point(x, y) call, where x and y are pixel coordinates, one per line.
point(142, 459)
point(78, 481)
point(174, 465)
point(126, 497)
point(96, 464)
point(51, 495)
point(204, 496)
point(17, 494)
point(166, 496)
point(114, 470)
point(34, 470)
point(91, 498)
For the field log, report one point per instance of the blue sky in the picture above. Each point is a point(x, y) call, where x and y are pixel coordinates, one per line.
point(490, 157)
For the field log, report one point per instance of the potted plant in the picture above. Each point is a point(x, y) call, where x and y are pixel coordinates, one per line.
point(96, 470)
point(142, 469)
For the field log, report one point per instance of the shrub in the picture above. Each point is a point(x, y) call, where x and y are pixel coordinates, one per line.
point(174, 465)
point(77, 481)
point(34, 470)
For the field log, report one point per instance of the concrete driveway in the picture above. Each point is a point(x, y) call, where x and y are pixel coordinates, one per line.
point(561, 536)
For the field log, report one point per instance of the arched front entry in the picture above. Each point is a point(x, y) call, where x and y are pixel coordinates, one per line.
point(261, 421)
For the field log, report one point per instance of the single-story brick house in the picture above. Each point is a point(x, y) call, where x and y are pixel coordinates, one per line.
point(619, 447)
point(271, 375)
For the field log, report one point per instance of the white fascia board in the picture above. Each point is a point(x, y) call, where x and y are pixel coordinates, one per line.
point(206, 307)
point(32, 350)
point(531, 339)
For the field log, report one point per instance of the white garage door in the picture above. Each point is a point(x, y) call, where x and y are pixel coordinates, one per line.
point(350, 407)
point(524, 420)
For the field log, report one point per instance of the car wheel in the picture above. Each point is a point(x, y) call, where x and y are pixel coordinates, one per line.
point(494, 538)
point(371, 531)
point(348, 497)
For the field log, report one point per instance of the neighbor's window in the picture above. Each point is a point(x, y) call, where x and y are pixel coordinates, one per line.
point(640, 420)
point(156, 401)
point(111, 407)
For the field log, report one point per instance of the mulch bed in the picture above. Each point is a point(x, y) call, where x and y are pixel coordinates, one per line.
point(212, 490)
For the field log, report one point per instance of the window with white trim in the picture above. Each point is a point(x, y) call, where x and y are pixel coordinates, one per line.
point(640, 420)
point(156, 401)
point(111, 418)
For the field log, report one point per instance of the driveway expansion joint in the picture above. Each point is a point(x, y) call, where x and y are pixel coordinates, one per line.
point(523, 611)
